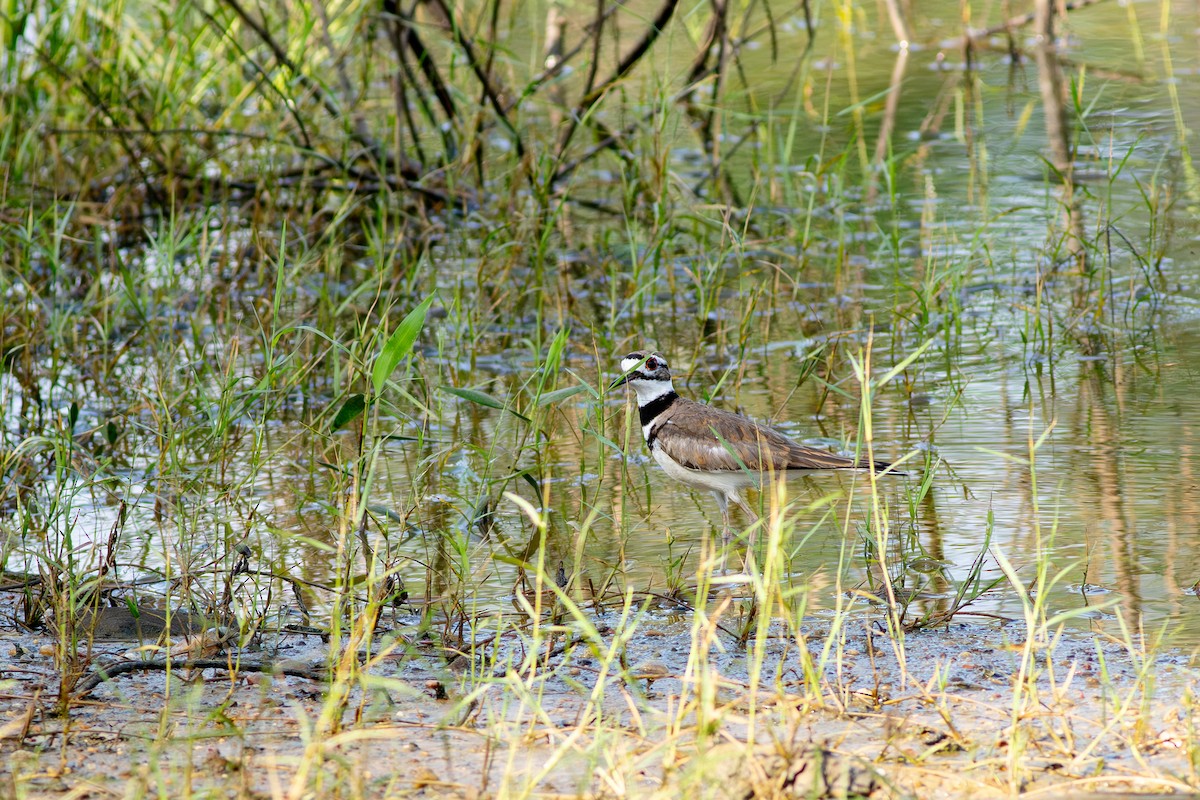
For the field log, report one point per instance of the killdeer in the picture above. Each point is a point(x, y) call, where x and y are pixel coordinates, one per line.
point(707, 448)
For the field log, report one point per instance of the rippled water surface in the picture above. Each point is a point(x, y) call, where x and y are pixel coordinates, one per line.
point(1056, 399)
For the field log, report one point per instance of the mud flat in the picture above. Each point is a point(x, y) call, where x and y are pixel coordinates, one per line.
point(671, 708)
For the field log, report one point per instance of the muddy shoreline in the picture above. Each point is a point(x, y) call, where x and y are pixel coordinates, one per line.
point(965, 710)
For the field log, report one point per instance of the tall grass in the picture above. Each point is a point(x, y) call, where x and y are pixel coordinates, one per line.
point(308, 314)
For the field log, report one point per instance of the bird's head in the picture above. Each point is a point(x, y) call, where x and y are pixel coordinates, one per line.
point(647, 372)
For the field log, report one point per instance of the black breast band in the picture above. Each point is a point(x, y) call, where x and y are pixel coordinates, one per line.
point(649, 412)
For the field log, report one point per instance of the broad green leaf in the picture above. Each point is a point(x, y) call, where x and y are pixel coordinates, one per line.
point(609, 443)
point(903, 365)
point(480, 399)
point(551, 367)
point(586, 386)
point(338, 468)
point(557, 346)
point(396, 437)
point(559, 394)
point(532, 481)
point(351, 409)
point(399, 344)
point(384, 511)
point(474, 396)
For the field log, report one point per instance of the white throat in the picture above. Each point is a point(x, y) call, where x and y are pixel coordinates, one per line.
point(649, 391)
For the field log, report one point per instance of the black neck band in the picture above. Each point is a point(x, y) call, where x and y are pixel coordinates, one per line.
point(648, 412)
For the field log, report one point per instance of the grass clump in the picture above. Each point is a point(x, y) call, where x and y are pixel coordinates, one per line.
point(307, 314)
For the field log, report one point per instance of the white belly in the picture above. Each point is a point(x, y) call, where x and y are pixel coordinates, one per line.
point(724, 482)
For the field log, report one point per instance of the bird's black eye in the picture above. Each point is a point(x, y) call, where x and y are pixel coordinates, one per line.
point(651, 363)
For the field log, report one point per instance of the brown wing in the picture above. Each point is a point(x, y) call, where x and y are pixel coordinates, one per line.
point(701, 437)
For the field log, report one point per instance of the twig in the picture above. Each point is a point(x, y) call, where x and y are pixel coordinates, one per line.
point(627, 63)
point(258, 68)
point(360, 122)
point(404, 38)
point(107, 671)
point(1019, 21)
point(485, 81)
point(327, 100)
point(98, 102)
point(553, 71)
point(607, 142)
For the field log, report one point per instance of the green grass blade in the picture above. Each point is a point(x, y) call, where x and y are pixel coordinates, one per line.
point(399, 344)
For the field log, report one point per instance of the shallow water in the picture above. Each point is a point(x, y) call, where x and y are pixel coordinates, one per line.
point(1100, 368)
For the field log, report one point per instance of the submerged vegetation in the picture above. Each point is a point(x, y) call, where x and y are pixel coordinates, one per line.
point(309, 317)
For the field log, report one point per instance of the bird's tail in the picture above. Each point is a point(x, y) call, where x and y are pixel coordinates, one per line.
point(880, 466)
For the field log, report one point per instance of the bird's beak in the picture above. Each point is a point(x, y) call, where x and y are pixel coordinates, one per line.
point(624, 379)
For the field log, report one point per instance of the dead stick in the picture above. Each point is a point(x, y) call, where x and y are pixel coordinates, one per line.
point(107, 671)
point(1019, 21)
point(481, 75)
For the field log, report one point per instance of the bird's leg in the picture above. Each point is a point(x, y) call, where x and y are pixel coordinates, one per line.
point(726, 524)
point(737, 498)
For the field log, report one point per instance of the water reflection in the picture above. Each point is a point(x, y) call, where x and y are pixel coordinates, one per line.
point(1112, 501)
point(1053, 87)
point(1101, 373)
